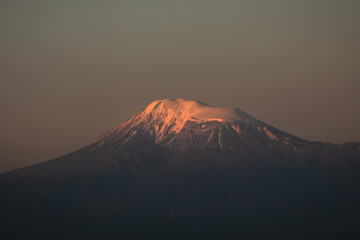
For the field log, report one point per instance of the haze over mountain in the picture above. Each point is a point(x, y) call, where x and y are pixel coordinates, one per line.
point(181, 169)
point(71, 70)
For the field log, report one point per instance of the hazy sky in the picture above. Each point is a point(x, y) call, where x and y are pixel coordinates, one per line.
point(70, 70)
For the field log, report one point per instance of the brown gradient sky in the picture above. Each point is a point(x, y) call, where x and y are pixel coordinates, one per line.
point(71, 70)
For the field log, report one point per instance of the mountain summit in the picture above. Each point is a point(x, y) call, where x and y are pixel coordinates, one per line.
point(167, 117)
point(180, 110)
point(183, 169)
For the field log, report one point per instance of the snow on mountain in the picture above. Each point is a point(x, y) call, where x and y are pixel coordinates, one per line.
point(169, 129)
point(182, 110)
point(184, 163)
point(166, 118)
point(183, 124)
point(180, 125)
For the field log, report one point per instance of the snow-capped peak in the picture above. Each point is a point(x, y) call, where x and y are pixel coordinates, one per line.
point(169, 115)
point(185, 110)
point(164, 119)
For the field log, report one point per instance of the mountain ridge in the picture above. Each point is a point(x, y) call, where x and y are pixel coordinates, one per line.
point(180, 125)
point(186, 170)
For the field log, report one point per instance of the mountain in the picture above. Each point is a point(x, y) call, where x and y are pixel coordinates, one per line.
point(184, 169)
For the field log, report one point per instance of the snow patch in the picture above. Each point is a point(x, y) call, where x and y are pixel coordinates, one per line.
point(132, 134)
point(100, 140)
point(220, 144)
point(207, 120)
point(237, 129)
point(269, 133)
point(212, 133)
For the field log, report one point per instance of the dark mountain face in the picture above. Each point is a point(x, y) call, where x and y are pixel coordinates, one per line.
point(182, 169)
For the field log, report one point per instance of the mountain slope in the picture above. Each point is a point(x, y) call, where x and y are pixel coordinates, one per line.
point(183, 169)
point(168, 128)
